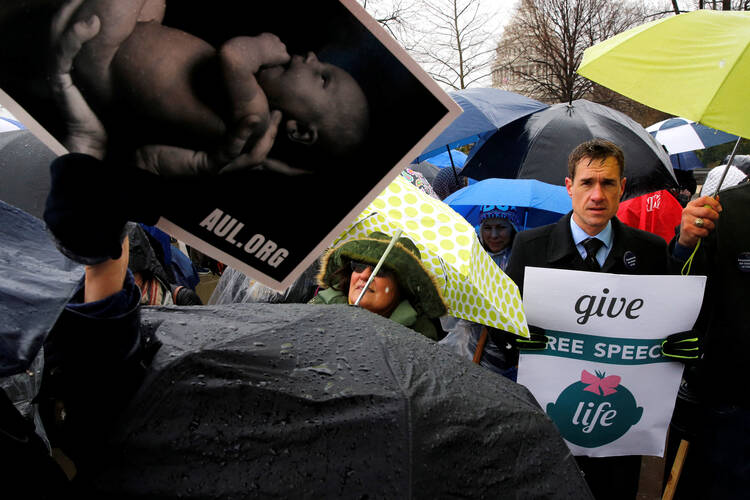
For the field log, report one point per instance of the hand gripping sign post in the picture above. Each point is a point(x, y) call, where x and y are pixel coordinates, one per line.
point(267, 126)
point(602, 377)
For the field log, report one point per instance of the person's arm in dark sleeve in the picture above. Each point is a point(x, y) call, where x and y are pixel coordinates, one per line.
point(94, 358)
point(516, 264)
point(515, 271)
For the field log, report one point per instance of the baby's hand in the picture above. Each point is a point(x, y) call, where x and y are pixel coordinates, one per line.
point(243, 56)
point(272, 49)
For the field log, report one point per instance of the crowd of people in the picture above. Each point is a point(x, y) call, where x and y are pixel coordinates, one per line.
point(98, 353)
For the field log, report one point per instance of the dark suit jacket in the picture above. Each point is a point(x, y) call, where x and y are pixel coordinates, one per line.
point(633, 251)
point(724, 256)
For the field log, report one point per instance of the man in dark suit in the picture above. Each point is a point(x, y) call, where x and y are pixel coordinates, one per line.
point(591, 238)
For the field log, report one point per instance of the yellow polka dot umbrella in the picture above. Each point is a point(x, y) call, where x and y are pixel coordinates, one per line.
point(474, 287)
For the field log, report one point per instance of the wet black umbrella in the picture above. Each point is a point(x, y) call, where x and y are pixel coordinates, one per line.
point(37, 281)
point(313, 401)
point(537, 147)
point(24, 171)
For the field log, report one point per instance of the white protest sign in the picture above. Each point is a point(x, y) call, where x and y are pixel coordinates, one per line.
point(602, 377)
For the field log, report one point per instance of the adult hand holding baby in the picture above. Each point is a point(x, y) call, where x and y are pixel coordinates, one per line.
point(173, 161)
point(251, 135)
point(248, 139)
point(85, 132)
point(89, 201)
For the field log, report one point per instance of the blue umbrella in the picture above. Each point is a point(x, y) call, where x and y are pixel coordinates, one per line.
point(539, 203)
point(485, 110)
point(444, 159)
point(687, 160)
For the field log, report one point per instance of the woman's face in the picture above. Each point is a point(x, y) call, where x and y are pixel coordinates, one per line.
point(382, 296)
point(496, 234)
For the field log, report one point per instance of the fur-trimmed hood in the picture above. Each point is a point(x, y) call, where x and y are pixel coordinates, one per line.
point(417, 284)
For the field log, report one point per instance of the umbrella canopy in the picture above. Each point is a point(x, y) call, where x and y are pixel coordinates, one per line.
point(324, 401)
point(9, 124)
point(484, 110)
point(37, 281)
point(24, 170)
point(679, 135)
point(658, 213)
point(539, 203)
point(685, 161)
point(474, 287)
point(695, 65)
point(452, 158)
point(427, 169)
point(537, 147)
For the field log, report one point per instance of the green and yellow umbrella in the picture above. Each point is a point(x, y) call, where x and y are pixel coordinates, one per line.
point(695, 65)
point(474, 287)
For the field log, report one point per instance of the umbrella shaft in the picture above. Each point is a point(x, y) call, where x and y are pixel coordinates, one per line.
point(729, 164)
point(377, 267)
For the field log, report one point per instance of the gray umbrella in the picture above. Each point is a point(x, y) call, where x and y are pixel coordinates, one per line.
point(427, 169)
point(24, 171)
point(36, 282)
point(313, 401)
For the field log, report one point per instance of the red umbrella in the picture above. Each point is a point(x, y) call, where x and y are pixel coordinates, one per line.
point(657, 213)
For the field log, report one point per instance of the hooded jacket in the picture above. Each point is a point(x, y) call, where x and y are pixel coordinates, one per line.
point(404, 314)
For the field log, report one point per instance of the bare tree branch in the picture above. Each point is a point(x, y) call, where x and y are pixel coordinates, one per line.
point(397, 17)
point(457, 46)
point(543, 45)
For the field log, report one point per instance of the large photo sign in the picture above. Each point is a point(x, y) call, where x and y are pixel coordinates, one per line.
point(602, 377)
point(268, 125)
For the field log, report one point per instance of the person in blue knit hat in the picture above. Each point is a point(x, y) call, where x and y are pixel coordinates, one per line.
point(498, 225)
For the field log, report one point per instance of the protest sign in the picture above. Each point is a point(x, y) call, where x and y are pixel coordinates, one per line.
point(171, 79)
point(602, 377)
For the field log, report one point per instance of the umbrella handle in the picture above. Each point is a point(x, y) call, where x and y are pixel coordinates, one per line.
point(377, 267)
point(480, 345)
point(674, 474)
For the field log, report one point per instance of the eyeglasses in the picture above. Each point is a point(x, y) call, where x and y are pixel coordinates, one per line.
point(359, 267)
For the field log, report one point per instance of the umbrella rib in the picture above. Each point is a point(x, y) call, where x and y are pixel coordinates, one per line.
point(405, 395)
point(445, 273)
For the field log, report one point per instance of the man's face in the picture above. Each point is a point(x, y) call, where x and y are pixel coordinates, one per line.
point(315, 93)
point(381, 297)
point(496, 234)
point(596, 192)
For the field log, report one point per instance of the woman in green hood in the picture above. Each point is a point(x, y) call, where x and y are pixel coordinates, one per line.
point(404, 290)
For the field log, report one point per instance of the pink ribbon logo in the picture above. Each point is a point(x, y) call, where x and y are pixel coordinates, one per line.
point(600, 385)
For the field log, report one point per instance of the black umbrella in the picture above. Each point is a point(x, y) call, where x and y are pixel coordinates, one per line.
point(313, 401)
point(24, 171)
point(37, 281)
point(537, 147)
